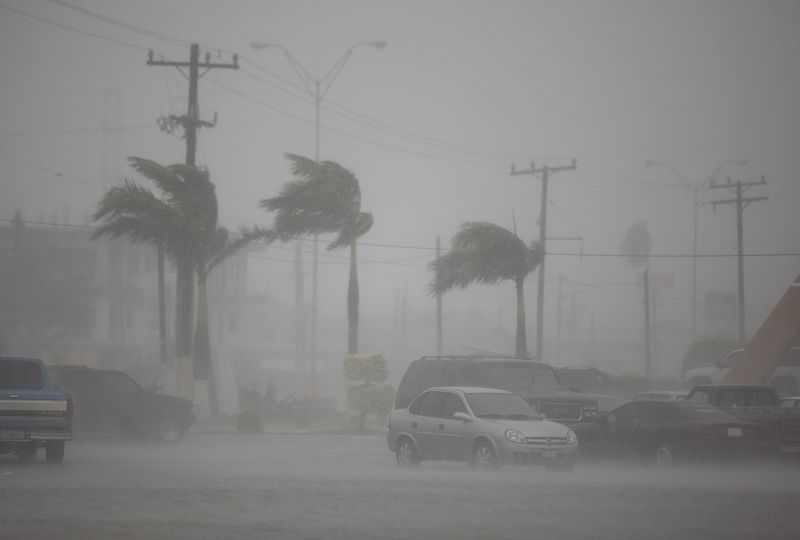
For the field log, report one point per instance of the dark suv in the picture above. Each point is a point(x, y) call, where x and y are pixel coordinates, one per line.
point(535, 382)
point(112, 402)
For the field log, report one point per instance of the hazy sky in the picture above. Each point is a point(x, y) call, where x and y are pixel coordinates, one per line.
point(431, 125)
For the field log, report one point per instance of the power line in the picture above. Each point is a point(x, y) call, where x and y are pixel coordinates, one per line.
point(73, 29)
point(137, 29)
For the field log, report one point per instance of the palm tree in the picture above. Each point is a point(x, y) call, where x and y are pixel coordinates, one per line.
point(487, 253)
point(324, 198)
point(185, 223)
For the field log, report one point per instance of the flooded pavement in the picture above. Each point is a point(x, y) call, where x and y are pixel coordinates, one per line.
point(342, 487)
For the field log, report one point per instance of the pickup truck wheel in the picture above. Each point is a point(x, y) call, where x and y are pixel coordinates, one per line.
point(665, 456)
point(54, 452)
point(27, 452)
point(169, 430)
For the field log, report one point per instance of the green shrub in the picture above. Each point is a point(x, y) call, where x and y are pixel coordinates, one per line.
point(368, 397)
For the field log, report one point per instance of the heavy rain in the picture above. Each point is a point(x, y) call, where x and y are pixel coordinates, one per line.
point(399, 269)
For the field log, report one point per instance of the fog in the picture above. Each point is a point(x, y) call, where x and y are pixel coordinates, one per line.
point(431, 126)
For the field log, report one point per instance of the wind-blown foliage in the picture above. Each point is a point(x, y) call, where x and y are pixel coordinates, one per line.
point(486, 253)
point(324, 198)
point(184, 221)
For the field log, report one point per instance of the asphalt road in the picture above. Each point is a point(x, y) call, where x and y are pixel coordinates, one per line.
point(346, 487)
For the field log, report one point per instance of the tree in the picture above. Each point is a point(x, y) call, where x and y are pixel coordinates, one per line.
point(324, 198)
point(487, 253)
point(184, 221)
point(636, 245)
point(368, 396)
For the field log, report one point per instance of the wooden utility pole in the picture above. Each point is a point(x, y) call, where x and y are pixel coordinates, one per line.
point(647, 345)
point(740, 204)
point(545, 172)
point(184, 300)
point(438, 300)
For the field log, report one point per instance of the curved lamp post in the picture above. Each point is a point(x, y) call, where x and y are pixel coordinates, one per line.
point(317, 88)
point(693, 191)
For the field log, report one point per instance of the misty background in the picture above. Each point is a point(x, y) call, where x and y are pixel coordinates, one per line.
point(431, 125)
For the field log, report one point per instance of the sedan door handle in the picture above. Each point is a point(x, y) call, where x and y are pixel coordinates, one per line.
point(441, 426)
point(413, 424)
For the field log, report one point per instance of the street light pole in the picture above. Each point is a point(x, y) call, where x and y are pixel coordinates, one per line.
point(317, 88)
point(695, 190)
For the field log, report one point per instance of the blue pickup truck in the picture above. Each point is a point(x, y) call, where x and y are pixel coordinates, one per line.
point(33, 414)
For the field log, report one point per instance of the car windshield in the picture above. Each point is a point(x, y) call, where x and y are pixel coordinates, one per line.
point(501, 406)
point(519, 376)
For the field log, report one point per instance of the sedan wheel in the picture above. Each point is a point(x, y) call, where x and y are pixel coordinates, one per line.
point(665, 456)
point(484, 457)
point(407, 455)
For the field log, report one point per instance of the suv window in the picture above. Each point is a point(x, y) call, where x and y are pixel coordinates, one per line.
point(119, 384)
point(421, 374)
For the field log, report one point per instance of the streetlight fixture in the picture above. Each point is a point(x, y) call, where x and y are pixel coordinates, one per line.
point(317, 88)
point(693, 191)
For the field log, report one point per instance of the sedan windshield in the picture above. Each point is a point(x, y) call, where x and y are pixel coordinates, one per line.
point(501, 406)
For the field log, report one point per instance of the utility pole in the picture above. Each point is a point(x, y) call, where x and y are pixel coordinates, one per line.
point(646, 323)
point(184, 302)
point(438, 301)
point(545, 172)
point(740, 204)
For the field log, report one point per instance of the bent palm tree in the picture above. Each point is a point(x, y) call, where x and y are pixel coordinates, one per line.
point(487, 253)
point(324, 198)
point(185, 223)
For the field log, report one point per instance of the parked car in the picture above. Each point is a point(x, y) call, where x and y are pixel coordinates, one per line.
point(33, 414)
point(661, 395)
point(110, 401)
point(785, 379)
point(664, 432)
point(585, 379)
point(485, 427)
point(791, 402)
point(536, 382)
point(758, 404)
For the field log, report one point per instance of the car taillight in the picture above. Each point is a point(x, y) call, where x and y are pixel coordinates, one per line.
point(70, 409)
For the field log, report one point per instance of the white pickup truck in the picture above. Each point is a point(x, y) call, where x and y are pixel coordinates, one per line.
point(785, 379)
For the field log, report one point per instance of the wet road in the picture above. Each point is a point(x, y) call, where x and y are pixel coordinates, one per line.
point(344, 487)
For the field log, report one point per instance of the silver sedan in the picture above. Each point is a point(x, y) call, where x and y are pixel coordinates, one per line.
point(484, 426)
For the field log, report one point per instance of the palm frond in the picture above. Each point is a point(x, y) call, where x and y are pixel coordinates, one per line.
point(482, 253)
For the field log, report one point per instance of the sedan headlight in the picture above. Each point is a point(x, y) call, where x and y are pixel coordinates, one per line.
point(571, 437)
point(515, 436)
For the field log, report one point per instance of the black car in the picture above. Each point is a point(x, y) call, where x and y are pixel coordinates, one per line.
point(664, 432)
point(112, 402)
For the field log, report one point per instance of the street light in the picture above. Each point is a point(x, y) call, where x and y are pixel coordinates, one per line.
point(317, 88)
point(693, 191)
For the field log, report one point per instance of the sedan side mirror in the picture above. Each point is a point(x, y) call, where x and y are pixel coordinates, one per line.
point(462, 416)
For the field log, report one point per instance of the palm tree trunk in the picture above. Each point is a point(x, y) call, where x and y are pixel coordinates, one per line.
point(162, 306)
point(202, 344)
point(352, 302)
point(521, 349)
point(184, 310)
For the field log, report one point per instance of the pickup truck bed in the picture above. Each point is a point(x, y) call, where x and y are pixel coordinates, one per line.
point(32, 414)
